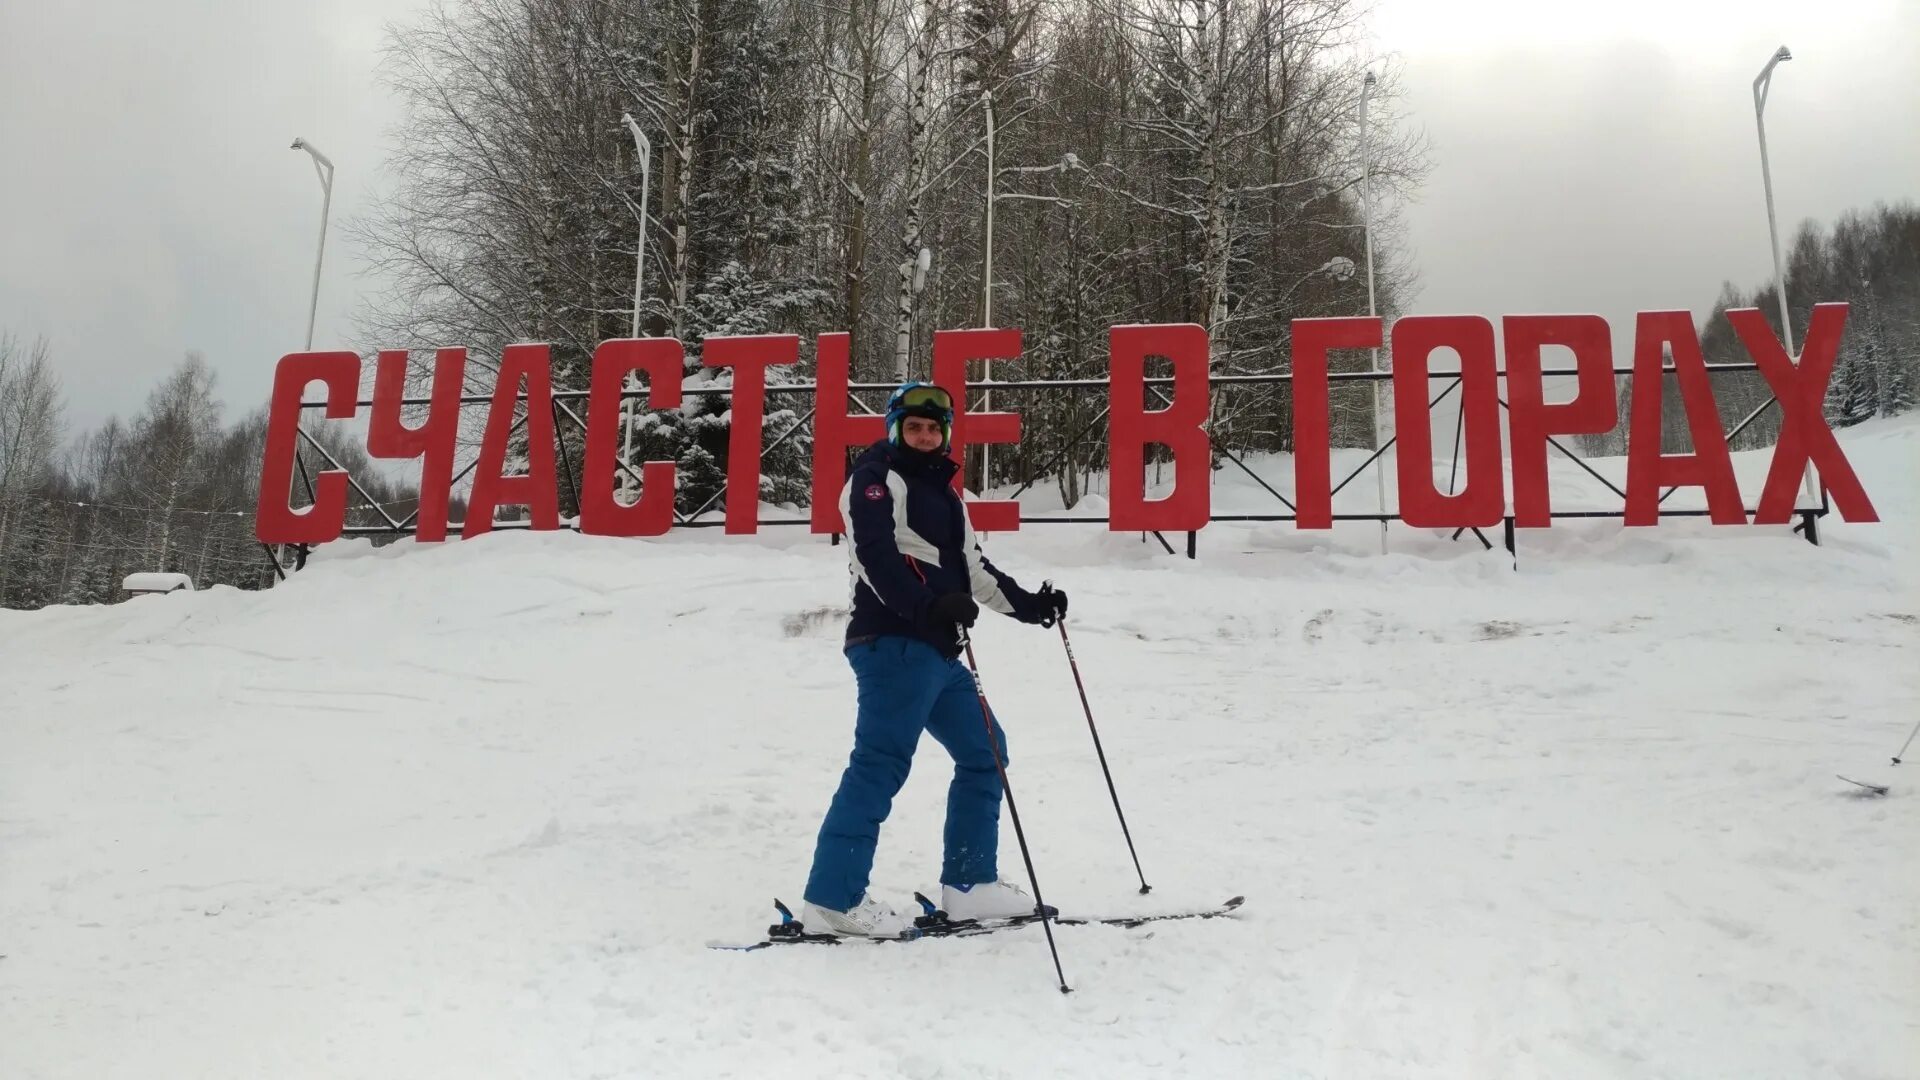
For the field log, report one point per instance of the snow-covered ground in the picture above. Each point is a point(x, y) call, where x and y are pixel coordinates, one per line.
point(476, 809)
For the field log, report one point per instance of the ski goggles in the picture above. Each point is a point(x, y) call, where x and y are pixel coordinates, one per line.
point(920, 397)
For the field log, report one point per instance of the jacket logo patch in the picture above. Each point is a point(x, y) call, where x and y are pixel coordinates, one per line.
point(876, 492)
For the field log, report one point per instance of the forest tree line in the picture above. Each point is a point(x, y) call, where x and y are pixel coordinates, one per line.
point(821, 166)
point(1869, 260)
point(824, 166)
point(173, 488)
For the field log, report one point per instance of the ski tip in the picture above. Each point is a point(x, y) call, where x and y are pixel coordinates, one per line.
point(1234, 903)
point(1873, 789)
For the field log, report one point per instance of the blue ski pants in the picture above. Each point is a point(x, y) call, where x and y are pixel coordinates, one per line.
point(906, 687)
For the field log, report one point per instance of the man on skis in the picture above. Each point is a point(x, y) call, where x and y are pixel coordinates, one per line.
point(919, 579)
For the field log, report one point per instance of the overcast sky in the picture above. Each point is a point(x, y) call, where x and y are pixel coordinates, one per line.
point(1605, 162)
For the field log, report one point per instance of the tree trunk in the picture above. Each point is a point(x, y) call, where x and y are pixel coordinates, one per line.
point(918, 108)
point(854, 269)
point(685, 74)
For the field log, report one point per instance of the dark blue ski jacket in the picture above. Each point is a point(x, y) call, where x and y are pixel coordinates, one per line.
point(911, 542)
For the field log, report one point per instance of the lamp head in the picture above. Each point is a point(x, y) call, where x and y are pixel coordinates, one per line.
point(1782, 54)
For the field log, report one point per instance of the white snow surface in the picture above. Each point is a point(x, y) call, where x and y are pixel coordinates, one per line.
point(476, 810)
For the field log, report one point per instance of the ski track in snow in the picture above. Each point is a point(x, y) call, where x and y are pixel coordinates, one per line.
point(476, 810)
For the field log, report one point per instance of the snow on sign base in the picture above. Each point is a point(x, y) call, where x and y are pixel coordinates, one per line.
point(474, 810)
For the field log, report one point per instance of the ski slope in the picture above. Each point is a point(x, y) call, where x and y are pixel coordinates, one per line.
point(476, 810)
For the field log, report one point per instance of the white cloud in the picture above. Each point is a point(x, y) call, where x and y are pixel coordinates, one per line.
point(1608, 161)
point(151, 205)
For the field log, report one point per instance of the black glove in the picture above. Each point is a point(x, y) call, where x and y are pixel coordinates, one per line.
point(940, 623)
point(1048, 606)
point(954, 607)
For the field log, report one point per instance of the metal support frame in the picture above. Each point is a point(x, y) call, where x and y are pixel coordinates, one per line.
point(561, 410)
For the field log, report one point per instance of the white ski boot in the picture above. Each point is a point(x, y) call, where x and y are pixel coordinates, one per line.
point(990, 900)
point(868, 918)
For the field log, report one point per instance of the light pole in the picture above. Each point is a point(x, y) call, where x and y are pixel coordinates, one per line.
point(324, 169)
point(1366, 212)
point(986, 275)
point(986, 288)
point(1762, 86)
point(644, 148)
point(1067, 162)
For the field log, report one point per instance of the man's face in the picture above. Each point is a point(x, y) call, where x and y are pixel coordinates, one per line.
point(921, 433)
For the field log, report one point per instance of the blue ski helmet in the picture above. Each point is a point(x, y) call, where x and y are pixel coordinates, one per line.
point(924, 400)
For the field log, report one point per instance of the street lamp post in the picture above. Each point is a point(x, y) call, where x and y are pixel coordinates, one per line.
point(324, 169)
point(644, 147)
point(1366, 204)
point(1068, 162)
point(986, 274)
point(1762, 86)
point(986, 288)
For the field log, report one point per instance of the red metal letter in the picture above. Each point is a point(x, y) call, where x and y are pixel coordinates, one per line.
point(600, 511)
point(834, 431)
point(1804, 434)
point(533, 488)
point(952, 349)
point(274, 521)
point(749, 357)
point(1482, 501)
point(1530, 421)
point(1312, 437)
point(1709, 465)
point(389, 437)
point(1178, 427)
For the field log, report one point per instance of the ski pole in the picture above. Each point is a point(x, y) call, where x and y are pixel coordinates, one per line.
point(1904, 745)
point(993, 744)
point(1102, 755)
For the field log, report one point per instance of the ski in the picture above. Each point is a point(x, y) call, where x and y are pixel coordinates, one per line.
point(790, 931)
point(1877, 789)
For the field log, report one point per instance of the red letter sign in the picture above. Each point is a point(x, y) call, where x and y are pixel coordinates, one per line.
point(1177, 427)
point(389, 437)
point(1531, 421)
point(952, 349)
point(1709, 466)
point(1804, 434)
point(534, 488)
point(749, 357)
point(1483, 500)
point(834, 431)
point(600, 512)
point(1312, 437)
point(274, 521)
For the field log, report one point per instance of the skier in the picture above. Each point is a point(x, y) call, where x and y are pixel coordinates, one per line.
point(919, 579)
